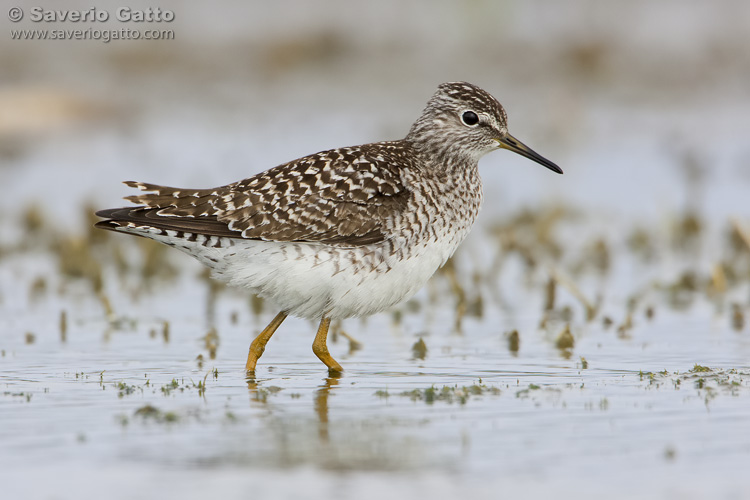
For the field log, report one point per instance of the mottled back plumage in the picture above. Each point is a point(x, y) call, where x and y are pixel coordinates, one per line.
point(339, 197)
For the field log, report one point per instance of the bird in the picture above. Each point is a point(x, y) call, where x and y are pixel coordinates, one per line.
point(346, 232)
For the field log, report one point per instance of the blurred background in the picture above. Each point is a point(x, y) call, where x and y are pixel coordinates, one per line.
point(589, 338)
point(622, 96)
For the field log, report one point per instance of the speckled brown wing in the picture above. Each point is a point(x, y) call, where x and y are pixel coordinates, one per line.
point(344, 196)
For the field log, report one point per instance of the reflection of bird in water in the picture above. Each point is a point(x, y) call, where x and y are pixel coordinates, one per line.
point(340, 233)
point(321, 406)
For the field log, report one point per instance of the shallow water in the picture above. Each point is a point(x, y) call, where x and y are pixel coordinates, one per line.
point(118, 403)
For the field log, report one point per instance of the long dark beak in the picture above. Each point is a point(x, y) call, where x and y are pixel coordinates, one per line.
point(513, 144)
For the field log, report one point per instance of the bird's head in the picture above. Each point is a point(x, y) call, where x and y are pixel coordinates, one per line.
point(462, 119)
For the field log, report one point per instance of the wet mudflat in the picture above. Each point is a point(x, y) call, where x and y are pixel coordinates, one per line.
point(502, 375)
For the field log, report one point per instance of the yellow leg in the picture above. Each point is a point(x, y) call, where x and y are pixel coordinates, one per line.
point(321, 349)
point(259, 344)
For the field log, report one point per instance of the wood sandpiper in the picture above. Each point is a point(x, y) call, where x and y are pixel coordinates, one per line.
point(344, 232)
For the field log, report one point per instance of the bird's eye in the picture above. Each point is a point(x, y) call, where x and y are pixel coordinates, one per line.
point(470, 118)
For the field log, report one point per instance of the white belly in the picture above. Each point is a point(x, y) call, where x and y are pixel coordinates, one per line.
point(314, 280)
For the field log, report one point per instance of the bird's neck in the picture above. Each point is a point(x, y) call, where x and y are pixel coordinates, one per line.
point(442, 157)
